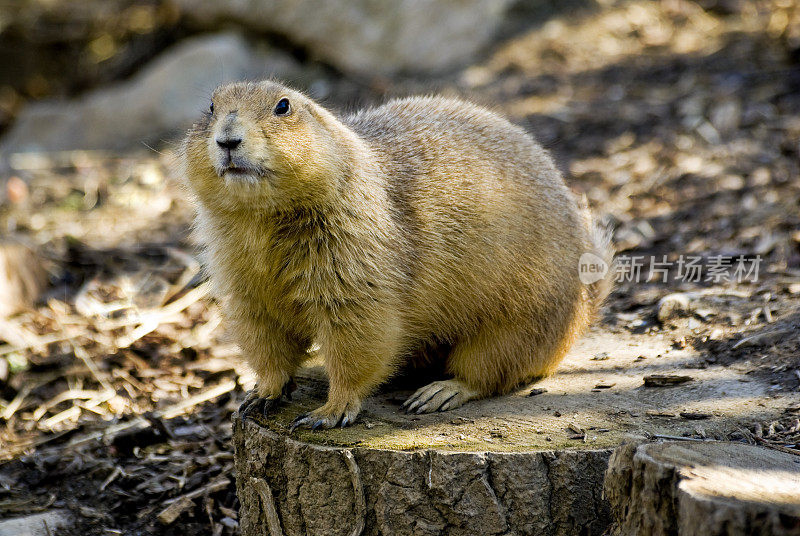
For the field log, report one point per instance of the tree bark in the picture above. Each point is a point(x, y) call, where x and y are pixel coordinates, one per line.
point(294, 488)
point(703, 488)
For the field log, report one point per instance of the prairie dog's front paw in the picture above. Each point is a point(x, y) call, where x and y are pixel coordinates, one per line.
point(265, 391)
point(256, 403)
point(328, 416)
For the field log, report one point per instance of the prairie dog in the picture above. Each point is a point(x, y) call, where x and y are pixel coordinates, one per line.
point(424, 221)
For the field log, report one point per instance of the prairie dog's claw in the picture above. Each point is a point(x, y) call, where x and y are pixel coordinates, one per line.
point(323, 419)
point(439, 396)
point(298, 421)
point(254, 404)
point(257, 405)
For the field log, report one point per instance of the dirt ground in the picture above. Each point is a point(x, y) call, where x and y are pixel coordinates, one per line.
point(679, 124)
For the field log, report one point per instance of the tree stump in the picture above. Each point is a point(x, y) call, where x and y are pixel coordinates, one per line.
point(704, 488)
point(517, 464)
point(397, 474)
point(293, 487)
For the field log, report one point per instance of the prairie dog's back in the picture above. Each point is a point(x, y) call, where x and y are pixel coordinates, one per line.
point(483, 207)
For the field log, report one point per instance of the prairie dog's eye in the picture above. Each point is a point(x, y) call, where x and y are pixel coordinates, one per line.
point(283, 107)
point(211, 108)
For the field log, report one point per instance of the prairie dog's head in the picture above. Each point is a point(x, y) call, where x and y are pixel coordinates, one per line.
point(261, 144)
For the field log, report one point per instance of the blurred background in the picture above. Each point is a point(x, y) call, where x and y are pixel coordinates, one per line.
point(678, 120)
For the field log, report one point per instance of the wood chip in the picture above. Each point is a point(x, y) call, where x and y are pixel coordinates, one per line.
point(675, 438)
point(113, 476)
point(214, 486)
point(576, 432)
point(537, 391)
point(665, 380)
point(774, 446)
point(168, 515)
point(141, 423)
point(15, 404)
point(766, 338)
point(653, 413)
point(695, 416)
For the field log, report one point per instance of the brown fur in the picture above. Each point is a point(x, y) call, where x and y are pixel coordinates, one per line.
point(425, 220)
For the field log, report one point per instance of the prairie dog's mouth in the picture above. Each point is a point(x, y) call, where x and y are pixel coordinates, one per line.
point(239, 171)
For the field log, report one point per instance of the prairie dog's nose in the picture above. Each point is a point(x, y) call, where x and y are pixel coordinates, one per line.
point(228, 142)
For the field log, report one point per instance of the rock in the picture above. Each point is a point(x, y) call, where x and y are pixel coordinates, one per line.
point(160, 101)
point(44, 524)
point(726, 115)
point(673, 305)
point(703, 488)
point(368, 36)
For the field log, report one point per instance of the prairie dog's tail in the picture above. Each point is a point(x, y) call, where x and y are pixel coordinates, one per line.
point(597, 262)
point(596, 273)
point(600, 237)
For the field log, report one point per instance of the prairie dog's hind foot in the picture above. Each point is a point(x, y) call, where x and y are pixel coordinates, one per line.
point(255, 404)
point(439, 396)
